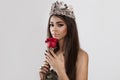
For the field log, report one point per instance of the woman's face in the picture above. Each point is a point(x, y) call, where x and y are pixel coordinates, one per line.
point(58, 28)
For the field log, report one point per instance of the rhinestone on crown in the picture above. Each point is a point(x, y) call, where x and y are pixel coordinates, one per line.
point(62, 9)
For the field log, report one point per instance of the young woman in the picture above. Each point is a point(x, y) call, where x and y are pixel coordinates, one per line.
point(70, 62)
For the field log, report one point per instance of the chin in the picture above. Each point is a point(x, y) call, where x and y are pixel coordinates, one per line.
point(59, 38)
point(56, 37)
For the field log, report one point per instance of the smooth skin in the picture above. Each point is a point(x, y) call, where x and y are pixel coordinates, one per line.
point(58, 29)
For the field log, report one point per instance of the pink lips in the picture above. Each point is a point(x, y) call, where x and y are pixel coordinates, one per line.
point(55, 35)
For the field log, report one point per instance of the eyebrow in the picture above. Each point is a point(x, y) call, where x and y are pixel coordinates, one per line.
point(58, 22)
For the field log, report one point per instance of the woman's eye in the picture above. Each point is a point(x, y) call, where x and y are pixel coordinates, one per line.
point(60, 25)
point(51, 25)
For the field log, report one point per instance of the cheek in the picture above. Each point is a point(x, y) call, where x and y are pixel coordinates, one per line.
point(64, 31)
point(50, 30)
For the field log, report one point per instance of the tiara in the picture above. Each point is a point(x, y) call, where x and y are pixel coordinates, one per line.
point(62, 9)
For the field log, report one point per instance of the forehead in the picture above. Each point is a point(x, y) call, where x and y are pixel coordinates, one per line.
point(56, 19)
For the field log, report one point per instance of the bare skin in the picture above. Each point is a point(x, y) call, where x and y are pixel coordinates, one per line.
point(82, 66)
point(57, 62)
point(59, 30)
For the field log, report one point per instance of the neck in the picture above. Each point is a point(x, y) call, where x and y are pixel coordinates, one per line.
point(61, 45)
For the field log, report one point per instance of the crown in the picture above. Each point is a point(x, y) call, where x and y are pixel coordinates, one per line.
point(62, 9)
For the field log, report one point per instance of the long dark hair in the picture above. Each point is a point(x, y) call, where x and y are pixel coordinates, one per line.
point(71, 45)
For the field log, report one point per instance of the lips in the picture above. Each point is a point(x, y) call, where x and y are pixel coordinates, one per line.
point(55, 35)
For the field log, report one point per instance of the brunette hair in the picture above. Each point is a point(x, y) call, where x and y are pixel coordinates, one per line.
point(71, 45)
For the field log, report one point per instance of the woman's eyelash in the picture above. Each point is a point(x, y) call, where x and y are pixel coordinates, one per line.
point(60, 24)
point(51, 25)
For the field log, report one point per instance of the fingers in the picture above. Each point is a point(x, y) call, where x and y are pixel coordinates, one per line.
point(52, 53)
point(47, 64)
point(46, 67)
point(41, 76)
point(43, 70)
point(49, 59)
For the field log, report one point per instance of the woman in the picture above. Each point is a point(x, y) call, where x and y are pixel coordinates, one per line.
point(69, 62)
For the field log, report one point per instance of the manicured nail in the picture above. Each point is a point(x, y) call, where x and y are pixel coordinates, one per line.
point(46, 51)
point(45, 54)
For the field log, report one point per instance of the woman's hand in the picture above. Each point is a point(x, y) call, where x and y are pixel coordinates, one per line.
point(43, 70)
point(55, 61)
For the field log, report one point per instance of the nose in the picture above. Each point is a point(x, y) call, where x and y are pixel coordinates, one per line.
point(54, 28)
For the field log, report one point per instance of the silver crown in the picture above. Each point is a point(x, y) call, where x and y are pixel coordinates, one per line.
point(62, 9)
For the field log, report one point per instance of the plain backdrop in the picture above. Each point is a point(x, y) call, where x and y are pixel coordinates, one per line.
point(23, 26)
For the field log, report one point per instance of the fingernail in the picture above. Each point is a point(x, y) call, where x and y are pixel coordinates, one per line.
point(45, 54)
point(46, 51)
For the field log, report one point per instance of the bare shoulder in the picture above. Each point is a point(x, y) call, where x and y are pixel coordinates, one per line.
point(82, 54)
point(82, 57)
point(82, 65)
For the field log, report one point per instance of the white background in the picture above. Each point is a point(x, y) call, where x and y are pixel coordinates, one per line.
point(23, 26)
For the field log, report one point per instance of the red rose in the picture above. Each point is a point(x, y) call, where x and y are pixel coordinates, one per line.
point(51, 42)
